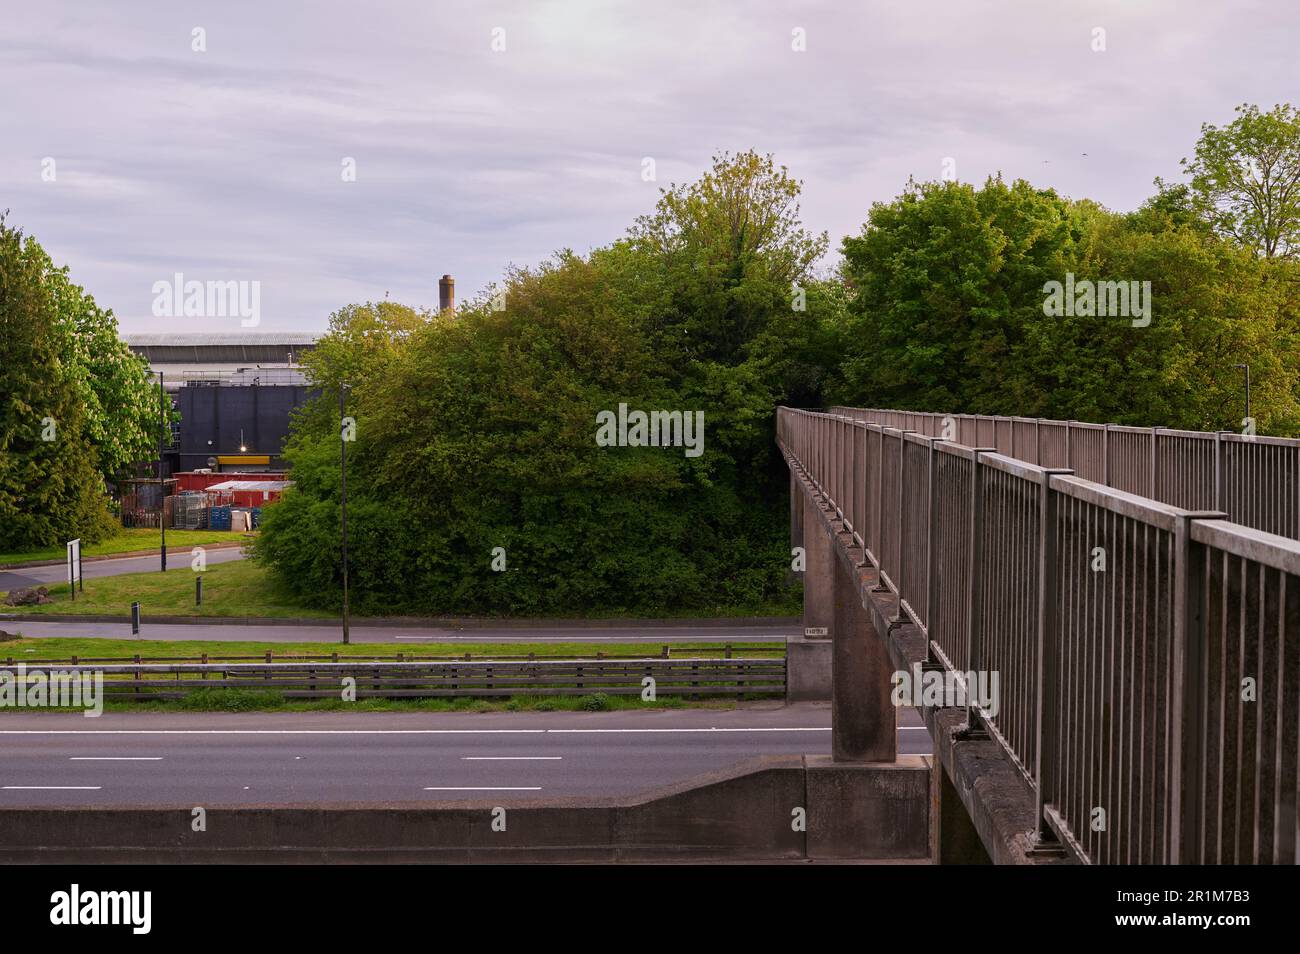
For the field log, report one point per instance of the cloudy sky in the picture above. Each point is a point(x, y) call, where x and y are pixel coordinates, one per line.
point(227, 163)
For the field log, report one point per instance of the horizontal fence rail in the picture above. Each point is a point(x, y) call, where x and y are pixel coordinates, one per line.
point(424, 679)
point(1147, 654)
point(703, 649)
point(1254, 480)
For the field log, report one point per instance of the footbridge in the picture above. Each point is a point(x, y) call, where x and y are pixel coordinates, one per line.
point(1135, 592)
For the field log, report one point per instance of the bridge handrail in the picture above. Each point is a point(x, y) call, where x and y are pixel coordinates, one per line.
point(1254, 479)
point(1121, 627)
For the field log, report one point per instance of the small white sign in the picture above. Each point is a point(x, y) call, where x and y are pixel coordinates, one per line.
point(815, 631)
point(74, 561)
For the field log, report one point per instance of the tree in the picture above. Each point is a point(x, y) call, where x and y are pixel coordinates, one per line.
point(1246, 177)
point(114, 386)
point(50, 486)
point(478, 431)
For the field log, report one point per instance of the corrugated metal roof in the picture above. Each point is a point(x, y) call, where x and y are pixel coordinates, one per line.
point(230, 338)
point(251, 485)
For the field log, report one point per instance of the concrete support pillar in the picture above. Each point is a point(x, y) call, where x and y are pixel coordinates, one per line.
point(797, 497)
point(953, 838)
point(864, 726)
point(819, 573)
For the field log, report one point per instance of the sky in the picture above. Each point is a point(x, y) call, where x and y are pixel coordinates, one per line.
point(150, 138)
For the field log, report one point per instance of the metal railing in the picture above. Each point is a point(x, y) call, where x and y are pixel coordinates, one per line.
point(1253, 479)
point(244, 377)
point(1123, 631)
point(138, 681)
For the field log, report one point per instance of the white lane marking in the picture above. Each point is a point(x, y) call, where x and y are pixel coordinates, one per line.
point(483, 788)
point(52, 788)
point(511, 758)
point(114, 758)
point(415, 637)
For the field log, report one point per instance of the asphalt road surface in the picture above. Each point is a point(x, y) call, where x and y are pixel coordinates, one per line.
point(330, 632)
point(178, 558)
point(214, 759)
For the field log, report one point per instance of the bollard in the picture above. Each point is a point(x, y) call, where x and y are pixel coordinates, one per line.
point(198, 590)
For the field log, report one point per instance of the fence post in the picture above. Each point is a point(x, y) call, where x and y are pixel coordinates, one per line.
point(1069, 448)
point(899, 616)
point(973, 728)
point(1155, 462)
point(931, 587)
point(1218, 470)
point(1105, 454)
point(1186, 740)
point(1045, 696)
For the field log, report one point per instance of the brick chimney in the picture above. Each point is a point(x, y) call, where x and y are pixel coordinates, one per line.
point(446, 294)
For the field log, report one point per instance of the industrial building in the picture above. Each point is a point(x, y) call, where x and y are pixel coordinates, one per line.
point(234, 392)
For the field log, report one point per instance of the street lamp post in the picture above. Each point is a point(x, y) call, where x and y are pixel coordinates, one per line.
point(1246, 368)
point(343, 497)
point(162, 487)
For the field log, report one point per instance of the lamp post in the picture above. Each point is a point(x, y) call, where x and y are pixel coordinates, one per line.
point(343, 498)
point(1246, 368)
point(162, 487)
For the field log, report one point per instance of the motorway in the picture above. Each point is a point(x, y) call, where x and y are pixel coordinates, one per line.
point(410, 635)
point(213, 759)
point(178, 558)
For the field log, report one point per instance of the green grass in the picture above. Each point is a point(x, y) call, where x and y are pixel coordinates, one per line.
point(97, 648)
point(238, 588)
point(245, 588)
point(125, 542)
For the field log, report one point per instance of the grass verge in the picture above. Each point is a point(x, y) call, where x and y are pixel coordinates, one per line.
point(125, 542)
point(237, 588)
point(246, 588)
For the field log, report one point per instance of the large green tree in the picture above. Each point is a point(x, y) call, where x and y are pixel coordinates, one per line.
point(51, 489)
point(948, 312)
point(478, 431)
point(118, 396)
point(1246, 178)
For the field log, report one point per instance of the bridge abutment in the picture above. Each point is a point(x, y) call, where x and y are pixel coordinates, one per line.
point(864, 721)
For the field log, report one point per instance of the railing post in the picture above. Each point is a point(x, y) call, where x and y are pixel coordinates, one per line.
point(1069, 448)
point(899, 616)
point(1155, 462)
point(974, 596)
point(880, 502)
point(1038, 441)
point(932, 506)
point(1045, 695)
point(1105, 454)
point(1186, 754)
point(1218, 470)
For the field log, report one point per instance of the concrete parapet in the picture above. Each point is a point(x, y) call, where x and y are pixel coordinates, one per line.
point(807, 669)
point(748, 812)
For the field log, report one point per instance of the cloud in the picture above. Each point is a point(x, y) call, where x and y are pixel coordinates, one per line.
point(225, 164)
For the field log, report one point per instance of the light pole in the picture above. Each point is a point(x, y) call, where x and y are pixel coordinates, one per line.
point(1246, 368)
point(162, 487)
point(343, 498)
